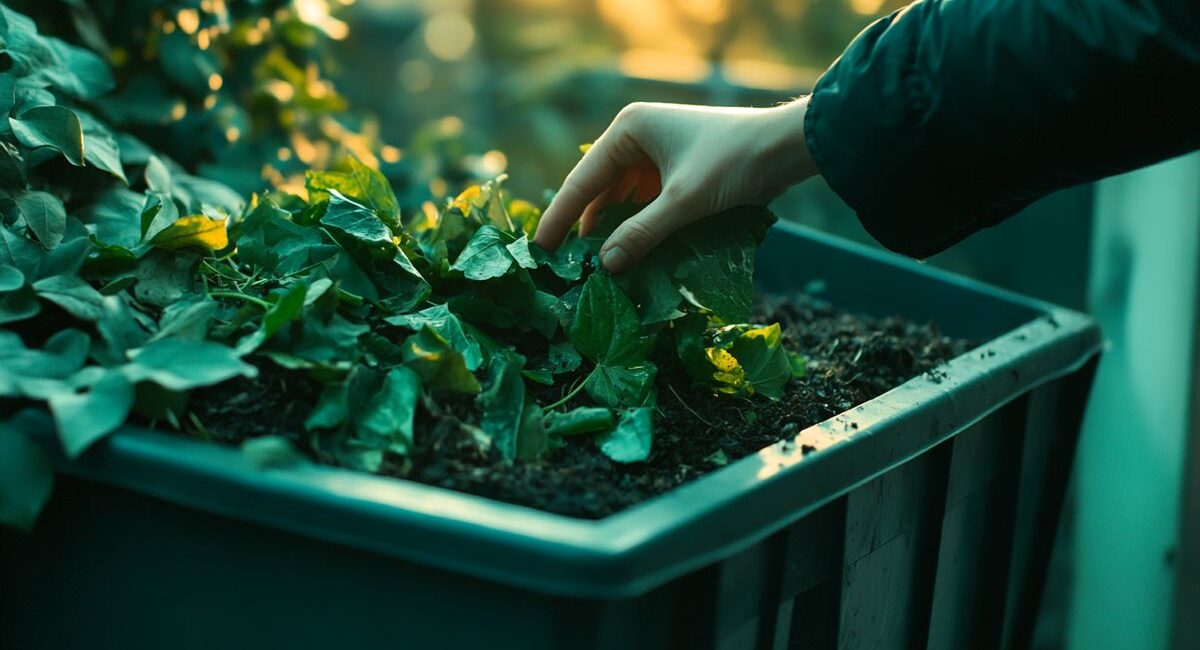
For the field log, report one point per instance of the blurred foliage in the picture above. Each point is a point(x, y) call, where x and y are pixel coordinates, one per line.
point(238, 90)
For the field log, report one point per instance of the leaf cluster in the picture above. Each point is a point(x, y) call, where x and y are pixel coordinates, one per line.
point(127, 285)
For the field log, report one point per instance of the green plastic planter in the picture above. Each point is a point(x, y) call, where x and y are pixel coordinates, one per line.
point(922, 518)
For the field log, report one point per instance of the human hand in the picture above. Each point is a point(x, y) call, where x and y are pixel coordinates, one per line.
point(706, 159)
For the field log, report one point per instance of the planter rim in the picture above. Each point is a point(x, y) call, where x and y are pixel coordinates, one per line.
point(643, 546)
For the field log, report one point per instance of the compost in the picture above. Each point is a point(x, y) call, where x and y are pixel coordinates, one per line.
point(851, 358)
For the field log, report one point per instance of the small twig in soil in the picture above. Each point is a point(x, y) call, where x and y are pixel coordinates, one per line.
point(690, 409)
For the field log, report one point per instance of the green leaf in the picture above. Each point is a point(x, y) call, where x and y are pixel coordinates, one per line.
point(621, 386)
point(115, 217)
point(502, 404)
point(798, 363)
point(606, 328)
point(21, 253)
point(18, 305)
point(342, 401)
point(387, 421)
point(630, 441)
point(100, 147)
point(710, 260)
point(585, 419)
point(45, 215)
point(288, 308)
point(518, 249)
point(439, 365)
point(531, 439)
point(26, 478)
point(562, 357)
point(60, 357)
point(11, 278)
point(764, 360)
point(73, 294)
point(448, 326)
point(51, 126)
point(181, 365)
point(566, 261)
point(356, 221)
point(82, 419)
point(486, 255)
point(362, 184)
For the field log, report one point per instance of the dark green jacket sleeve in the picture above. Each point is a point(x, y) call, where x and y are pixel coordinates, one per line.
point(950, 115)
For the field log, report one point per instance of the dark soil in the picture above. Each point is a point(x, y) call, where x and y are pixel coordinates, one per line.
point(851, 359)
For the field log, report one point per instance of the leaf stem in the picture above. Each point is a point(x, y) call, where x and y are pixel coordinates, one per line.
point(238, 295)
point(574, 391)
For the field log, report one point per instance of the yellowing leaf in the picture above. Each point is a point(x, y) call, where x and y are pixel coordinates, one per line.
point(193, 231)
point(727, 372)
point(473, 195)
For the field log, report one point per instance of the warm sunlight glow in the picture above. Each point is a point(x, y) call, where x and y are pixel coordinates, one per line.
point(449, 35)
point(866, 7)
point(215, 82)
point(657, 64)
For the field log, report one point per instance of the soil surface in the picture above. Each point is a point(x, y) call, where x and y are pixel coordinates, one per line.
point(851, 359)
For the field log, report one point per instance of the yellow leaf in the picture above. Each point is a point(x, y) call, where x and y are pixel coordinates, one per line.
point(728, 374)
point(583, 148)
point(469, 196)
point(194, 230)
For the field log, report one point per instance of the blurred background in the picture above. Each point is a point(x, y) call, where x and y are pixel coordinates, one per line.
point(438, 93)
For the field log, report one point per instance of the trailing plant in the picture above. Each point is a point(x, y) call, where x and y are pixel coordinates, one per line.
point(127, 285)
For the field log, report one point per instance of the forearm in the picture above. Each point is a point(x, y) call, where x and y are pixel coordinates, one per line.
point(950, 116)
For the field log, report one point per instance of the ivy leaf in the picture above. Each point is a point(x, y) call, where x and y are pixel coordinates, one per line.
point(630, 441)
point(566, 261)
point(607, 331)
point(764, 360)
point(387, 420)
point(440, 366)
point(20, 253)
point(82, 419)
point(18, 305)
point(585, 419)
point(562, 357)
point(288, 308)
point(114, 217)
point(100, 146)
point(26, 478)
point(45, 215)
point(620, 386)
point(356, 221)
point(362, 184)
point(194, 231)
point(11, 278)
point(445, 323)
point(342, 400)
point(180, 365)
point(51, 126)
point(73, 294)
point(61, 356)
point(502, 401)
point(486, 255)
point(606, 328)
point(519, 250)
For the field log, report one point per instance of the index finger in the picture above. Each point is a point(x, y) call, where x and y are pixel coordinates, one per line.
point(598, 170)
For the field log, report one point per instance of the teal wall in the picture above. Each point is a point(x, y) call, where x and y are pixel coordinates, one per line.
point(1143, 291)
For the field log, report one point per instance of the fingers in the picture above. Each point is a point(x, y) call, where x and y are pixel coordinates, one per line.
point(635, 238)
point(592, 213)
point(599, 169)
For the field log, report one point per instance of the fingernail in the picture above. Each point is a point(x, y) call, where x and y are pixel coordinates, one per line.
point(615, 258)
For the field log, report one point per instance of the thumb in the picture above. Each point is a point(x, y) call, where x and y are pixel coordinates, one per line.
point(642, 232)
